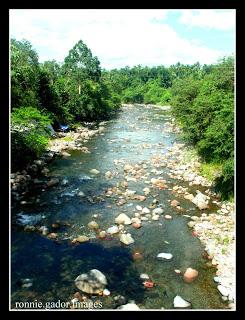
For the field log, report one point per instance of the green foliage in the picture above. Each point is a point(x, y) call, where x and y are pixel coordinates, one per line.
point(204, 106)
point(24, 74)
point(29, 135)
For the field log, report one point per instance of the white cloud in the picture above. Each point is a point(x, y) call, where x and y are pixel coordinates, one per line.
point(223, 20)
point(118, 37)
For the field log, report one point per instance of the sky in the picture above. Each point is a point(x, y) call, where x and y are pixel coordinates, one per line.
point(124, 37)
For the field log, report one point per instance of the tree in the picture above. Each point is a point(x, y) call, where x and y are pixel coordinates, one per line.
point(24, 75)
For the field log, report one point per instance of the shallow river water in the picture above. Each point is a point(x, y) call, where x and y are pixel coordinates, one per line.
point(134, 137)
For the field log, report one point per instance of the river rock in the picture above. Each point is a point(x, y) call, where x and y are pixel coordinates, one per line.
point(174, 203)
point(155, 217)
point(82, 239)
point(102, 234)
point(181, 303)
point(93, 225)
point(201, 201)
point(137, 225)
point(157, 211)
point(191, 224)
point(93, 282)
point(139, 208)
point(129, 306)
point(108, 174)
point(144, 276)
point(113, 230)
point(122, 219)
point(145, 210)
point(189, 197)
point(166, 256)
point(45, 171)
point(217, 279)
point(52, 235)
point(223, 290)
point(106, 292)
point(168, 217)
point(146, 191)
point(65, 154)
point(29, 228)
point(94, 171)
point(126, 238)
point(53, 182)
point(190, 275)
point(44, 230)
point(136, 220)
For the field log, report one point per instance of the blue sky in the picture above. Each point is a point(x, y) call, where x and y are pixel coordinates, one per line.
point(122, 37)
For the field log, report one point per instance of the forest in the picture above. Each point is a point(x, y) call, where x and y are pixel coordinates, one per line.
point(79, 90)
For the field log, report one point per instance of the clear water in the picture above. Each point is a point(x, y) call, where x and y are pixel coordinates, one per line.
point(53, 265)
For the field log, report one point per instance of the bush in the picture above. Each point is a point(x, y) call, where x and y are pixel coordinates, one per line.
point(29, 135)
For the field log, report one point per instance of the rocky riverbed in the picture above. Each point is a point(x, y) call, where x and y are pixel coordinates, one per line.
point(125, 200)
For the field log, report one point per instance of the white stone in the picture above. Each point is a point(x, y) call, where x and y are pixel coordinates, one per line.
point(106, 292)
point(92, 282)
point(157, 211)
point(155, 217)
point(94, 171)
point(113, 230)
point(223, 290)
point(126, 239)
point(163, 255)
point(181, 303)
point(200, 201)
point(145, 210)
point(144, 276)
point(122, 219)
point(108, 174)
point(129, 306)
point(139, 208)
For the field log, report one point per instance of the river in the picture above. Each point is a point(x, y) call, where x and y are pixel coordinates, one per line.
point(135, 136)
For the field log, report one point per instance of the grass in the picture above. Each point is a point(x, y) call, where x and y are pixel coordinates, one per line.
point(211, 170)
point(68, 139)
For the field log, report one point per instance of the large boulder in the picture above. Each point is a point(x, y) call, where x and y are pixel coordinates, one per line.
point(201, 201)
point(93, 282)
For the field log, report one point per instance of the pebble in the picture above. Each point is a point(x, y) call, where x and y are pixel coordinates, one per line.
point(157, 211)
point(168, 217)
point(144, 276)
point(94, 171)
point(139, 208)
point(223, 290)
point(145, 210)
point(181, 303)
point(113, 230)
point(106, 292)
point(155, 217)
point(163, 255)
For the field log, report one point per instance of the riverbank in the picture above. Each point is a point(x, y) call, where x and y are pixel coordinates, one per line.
point(216, 230)
point(23, 181)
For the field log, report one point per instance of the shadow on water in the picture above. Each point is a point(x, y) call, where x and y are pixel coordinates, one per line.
point(54, 267)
